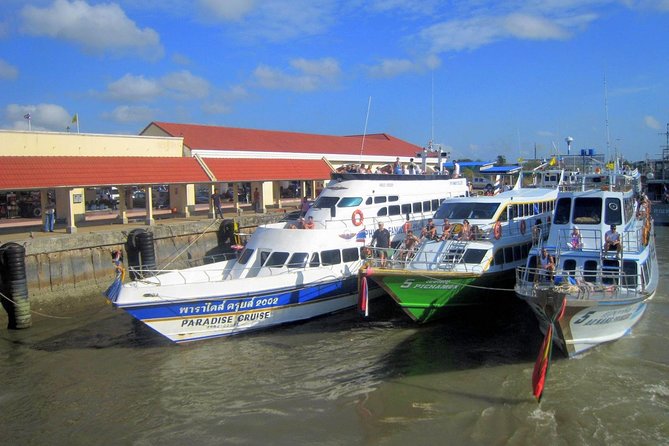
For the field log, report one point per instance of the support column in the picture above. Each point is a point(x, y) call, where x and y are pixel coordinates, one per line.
point(150, 221)
point(71, 227)
point(122, 207)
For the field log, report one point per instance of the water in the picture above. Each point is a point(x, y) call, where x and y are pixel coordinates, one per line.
point(100, 378)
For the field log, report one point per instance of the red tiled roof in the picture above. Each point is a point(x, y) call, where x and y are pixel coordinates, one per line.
point(234, 170)
point(34, 172)
point(204, 137)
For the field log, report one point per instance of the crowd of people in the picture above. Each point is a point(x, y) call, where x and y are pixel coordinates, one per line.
point(399, 168)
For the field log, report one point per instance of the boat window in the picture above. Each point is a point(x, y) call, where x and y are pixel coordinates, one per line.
point(466, 209)
point(417, 207)
point(569, 266)
point(331, 257)
point(349, 202)
point(435, 203)
point(246, 255)
point(379, 200)
point(277, 259)
point(499, 257)
point(426, 206)
point(502, 215)
point(630, 273)
point(508, 254)
point(315, 260)
point(613, 212)
point(406, 208)
point(325, 202)
point(474, 255)
point(298, 260)
point(368, 200)
point(562, 211)
point(590, 271)
point(393, 198)
point(645, 272)
point(588, 210)
point(525, 249)
point(394, 210)
point(610, 271)
point(350, 254)
point(264, 255)
point(382, 212)
point(517, 253)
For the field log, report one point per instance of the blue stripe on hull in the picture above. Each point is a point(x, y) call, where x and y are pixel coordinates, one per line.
point(217, 305)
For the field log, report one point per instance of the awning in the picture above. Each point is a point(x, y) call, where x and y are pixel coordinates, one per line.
point(37, 172)
point(235, 170)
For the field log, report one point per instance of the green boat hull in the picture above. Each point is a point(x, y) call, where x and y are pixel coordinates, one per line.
point(426, 298)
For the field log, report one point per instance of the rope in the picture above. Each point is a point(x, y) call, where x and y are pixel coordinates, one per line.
point(35, 311)
point(179, 253)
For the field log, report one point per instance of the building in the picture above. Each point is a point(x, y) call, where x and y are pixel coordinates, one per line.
point(73, 167)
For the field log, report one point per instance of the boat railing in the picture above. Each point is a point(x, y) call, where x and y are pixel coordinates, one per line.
point(592, 240)
point(605, 284)
point(605, 182)
point(448, 257)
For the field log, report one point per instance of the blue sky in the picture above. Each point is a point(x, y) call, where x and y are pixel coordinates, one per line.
point(481, 78)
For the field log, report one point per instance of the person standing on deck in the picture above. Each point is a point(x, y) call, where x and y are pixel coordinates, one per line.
point(382, 238)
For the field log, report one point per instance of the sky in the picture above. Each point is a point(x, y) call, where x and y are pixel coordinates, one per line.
point(480, 78)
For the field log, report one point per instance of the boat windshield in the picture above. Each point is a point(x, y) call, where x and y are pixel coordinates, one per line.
point(325, 202)
point(349, 202)
point(462, 210)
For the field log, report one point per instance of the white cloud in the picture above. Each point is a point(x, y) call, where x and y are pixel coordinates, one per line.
point(185, 85)
point(43, 117)
point(180, 85)
point(95, 28)
point(127, 113)
point(8, 71)
point(524, 26)
point(389, 68)
point(307, 75)
point(229, 10)
point(133, 88)
point(651, 122)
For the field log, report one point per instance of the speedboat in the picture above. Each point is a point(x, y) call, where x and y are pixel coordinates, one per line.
point(598, 289)
point(488, 238)
point(284, 273)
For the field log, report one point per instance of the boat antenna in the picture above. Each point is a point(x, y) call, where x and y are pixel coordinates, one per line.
point(364, 133)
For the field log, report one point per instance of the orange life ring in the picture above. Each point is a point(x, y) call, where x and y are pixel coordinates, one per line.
point(497, 230)
point(357, 218)
point(522, 226)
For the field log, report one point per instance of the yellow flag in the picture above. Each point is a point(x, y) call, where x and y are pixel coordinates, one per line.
point(610, 165)
point(75, 118)
point(552, 162)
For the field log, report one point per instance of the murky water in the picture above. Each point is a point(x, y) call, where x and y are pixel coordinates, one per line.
point(100, 378)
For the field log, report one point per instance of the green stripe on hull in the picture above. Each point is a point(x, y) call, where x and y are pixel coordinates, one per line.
point(426, 298)
point(423, 298)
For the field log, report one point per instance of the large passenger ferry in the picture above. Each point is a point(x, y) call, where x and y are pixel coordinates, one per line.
point(480, 243)
point(598, 288)
point(286, 274)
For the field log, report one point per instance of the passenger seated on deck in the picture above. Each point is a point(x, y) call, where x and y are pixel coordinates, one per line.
point(466, 232)
point(410, 243)
point(431, 229)
point(576, 240)
point(612, 240)
point(309, 223)
point(446, 230)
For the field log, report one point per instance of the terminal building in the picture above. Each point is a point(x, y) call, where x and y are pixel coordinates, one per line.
point(176, 165)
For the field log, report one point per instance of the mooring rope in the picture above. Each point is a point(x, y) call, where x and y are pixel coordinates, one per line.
point(35, 311)
point(179, 253)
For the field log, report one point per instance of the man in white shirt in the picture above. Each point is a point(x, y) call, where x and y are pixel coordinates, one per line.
point(612, 240)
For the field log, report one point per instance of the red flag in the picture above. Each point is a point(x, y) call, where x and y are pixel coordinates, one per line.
point(363, 297)
point(541, 366)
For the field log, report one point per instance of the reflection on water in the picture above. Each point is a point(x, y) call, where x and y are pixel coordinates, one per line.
point(101, 378)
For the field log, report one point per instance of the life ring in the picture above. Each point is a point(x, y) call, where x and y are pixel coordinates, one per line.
point(497, 230)
point(357, 218)
point(37, 212)
point(522, 226)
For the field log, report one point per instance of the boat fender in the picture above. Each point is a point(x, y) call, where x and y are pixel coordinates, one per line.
point(357, 218)
point(497, 230)
point(646, 235)
point(14, 285)
point(522, 226)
